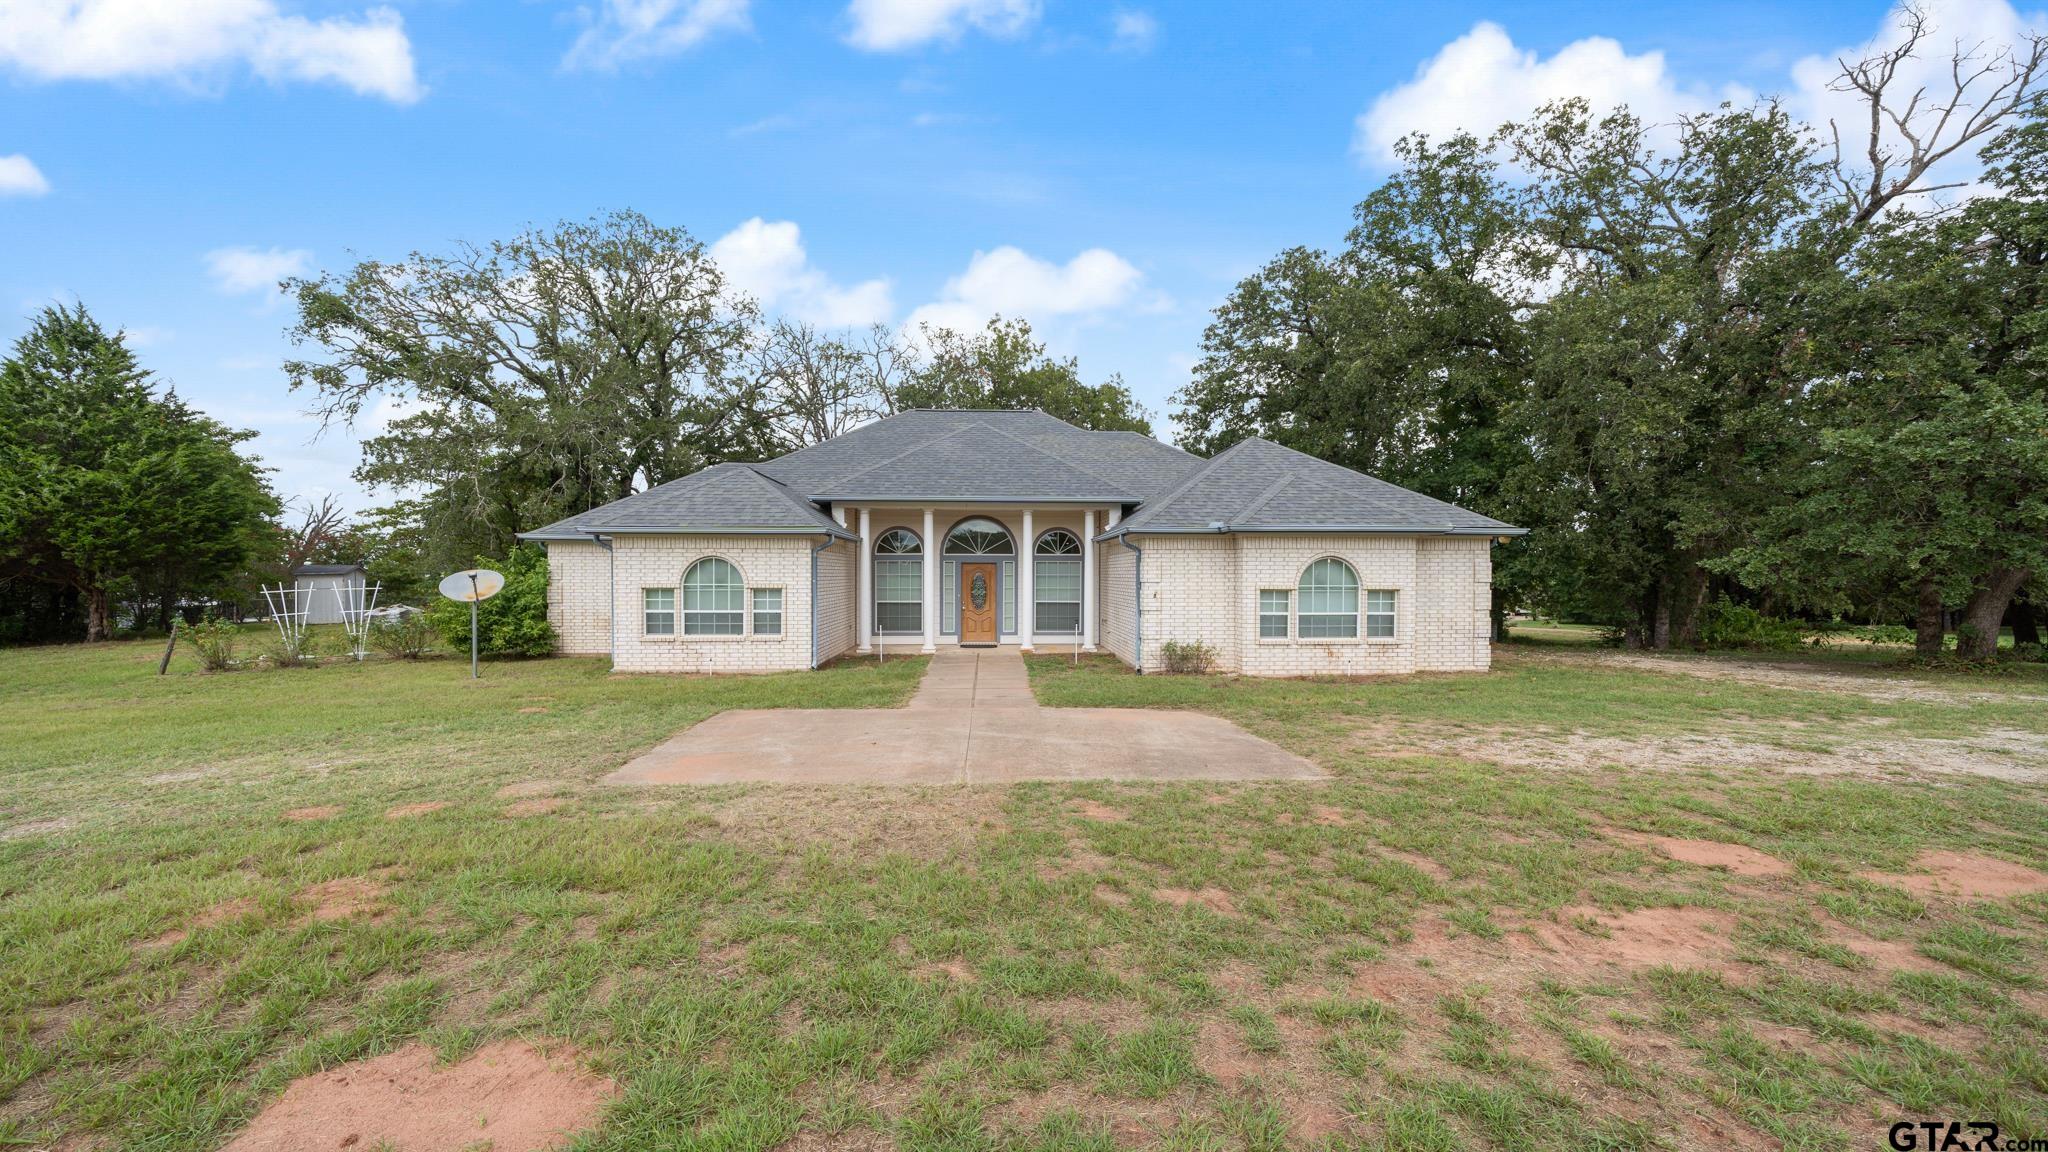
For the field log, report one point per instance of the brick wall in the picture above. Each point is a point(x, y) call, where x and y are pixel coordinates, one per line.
point(1116, 630)
point(838, 588)
point(1207, 588)
point(764, 562)
point(579, 578)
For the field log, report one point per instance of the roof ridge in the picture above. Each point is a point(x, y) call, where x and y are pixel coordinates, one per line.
point(1264, 498)
point(840, 480)
point(1166, 501)
point(1328, 466)
point(1074, 464)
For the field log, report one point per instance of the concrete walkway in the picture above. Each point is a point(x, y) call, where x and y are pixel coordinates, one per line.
point(973, 721)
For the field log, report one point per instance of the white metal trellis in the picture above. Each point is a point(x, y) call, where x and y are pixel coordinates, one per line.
point(289, 605)
point(357, 602)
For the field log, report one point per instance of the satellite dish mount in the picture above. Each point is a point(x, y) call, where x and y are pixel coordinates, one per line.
point(472, 585)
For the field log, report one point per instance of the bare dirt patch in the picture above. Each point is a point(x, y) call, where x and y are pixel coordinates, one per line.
point(1090, 810)
point(405, 811)
point(1644, 938)
point(174, 778)
point(1966, 875)
point(38, 828)
point(212, 917)
point(316, 812)
point(348, 898)
point(1108, 895)
point(505, 1096)
point(955, 970)
point(531, 710)
point(1214, 899)
point(540, 807)
point(1330, 817)
point(1735, 858)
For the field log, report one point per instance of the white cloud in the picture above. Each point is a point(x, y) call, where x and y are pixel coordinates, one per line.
point(19, 176)
point(194, 41)
point(893, 25)
point(766, 260)
point(1013, 283)
point(627, 30)
point(1134, 29)
point(243, 269)
point(1983, 28)
point(1481, 80)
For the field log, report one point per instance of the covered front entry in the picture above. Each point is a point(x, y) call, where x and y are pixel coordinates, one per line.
point(978, 599)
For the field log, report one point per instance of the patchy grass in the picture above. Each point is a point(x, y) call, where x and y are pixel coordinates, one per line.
point(1423, 952)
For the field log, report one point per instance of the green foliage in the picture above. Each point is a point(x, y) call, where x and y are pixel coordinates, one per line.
point(406, 636)
point(1191, 657)
point(1726, 624)
point(109, 488)
point(1004, 366)
point(212, 642)
point(512, 623)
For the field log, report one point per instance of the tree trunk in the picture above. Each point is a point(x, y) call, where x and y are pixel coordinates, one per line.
point(97, 627)
point(1660, 621)
point(1977, 635)
point(1927, 630)
point(1692, 598)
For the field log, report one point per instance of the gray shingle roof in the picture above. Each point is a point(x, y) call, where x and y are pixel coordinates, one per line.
point(722, 498)
point(1260, 486)
point(976, 462)
point(1029, 457)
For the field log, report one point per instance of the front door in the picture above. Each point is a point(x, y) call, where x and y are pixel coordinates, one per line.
point(977, 604)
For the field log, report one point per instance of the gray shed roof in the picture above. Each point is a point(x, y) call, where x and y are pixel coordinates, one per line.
point(1028, 457)
point(326, 569)
point(1259, 486)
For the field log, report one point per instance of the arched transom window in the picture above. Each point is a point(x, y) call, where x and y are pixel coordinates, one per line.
point(1327, 604)
point(714, 599)
point(898, 542)
point(1056, 582)
point(978, 537)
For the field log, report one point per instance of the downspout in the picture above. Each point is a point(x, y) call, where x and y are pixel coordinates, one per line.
point(611, 616)
point(814, 600)
point(1137, 597)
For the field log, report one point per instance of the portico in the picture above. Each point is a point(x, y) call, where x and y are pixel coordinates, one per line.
point(976, 575)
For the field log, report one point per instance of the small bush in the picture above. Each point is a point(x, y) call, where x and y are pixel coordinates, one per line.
point(288, 651)
point(1191, 658)
point(2030, 653)
point(512, 623)
point(406, 636)
point(1731, 625)
point(212, 642)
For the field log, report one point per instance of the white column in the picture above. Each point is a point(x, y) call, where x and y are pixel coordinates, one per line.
point(1088, 580)
point(931, 585)
point(867, 585)
point(1027, 605)
point(1116, 517)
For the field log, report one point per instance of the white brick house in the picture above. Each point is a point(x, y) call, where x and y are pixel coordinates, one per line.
point(938, 528)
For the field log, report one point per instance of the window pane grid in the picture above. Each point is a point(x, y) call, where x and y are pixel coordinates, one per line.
point(714, 599)
point(658, 608)
point(1328, 601)
point(1379, 614)
point(767, 611)
point(1009, 596)
point(949, 595)
point(899, 595)
point(1273, 615)
point(1056, 592)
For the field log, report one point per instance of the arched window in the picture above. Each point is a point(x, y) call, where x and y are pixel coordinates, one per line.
point(899, 582)
point(1327, 607)
point(1056, 582)
point(714, 599)
point(979, 536)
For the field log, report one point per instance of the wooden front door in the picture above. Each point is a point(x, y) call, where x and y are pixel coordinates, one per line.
point(977, 604)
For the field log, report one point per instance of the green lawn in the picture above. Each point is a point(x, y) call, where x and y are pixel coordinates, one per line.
point(1422, 953)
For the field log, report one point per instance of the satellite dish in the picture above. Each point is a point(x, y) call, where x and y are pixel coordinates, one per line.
point(472, 584)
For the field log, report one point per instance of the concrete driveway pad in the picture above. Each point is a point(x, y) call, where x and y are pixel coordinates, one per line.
point(973, 721)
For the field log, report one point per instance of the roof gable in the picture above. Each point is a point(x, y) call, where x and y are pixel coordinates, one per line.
point(721, 498)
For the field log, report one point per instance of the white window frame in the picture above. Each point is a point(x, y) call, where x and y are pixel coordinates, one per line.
point(1285, 614)
point(755, 612)
point(1303, 598)
point(693, 617)
point(891, 564)
point(648, 612)
point(1392, 615)
point(1069, 565)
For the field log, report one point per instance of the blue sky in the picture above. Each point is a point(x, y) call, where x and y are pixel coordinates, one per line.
point(1107, 171)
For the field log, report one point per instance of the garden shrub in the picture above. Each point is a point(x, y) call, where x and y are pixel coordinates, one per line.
point(512, 623)
point(1727, 624)
point(1187, 658)
point(408, 635)
point(212, 641)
